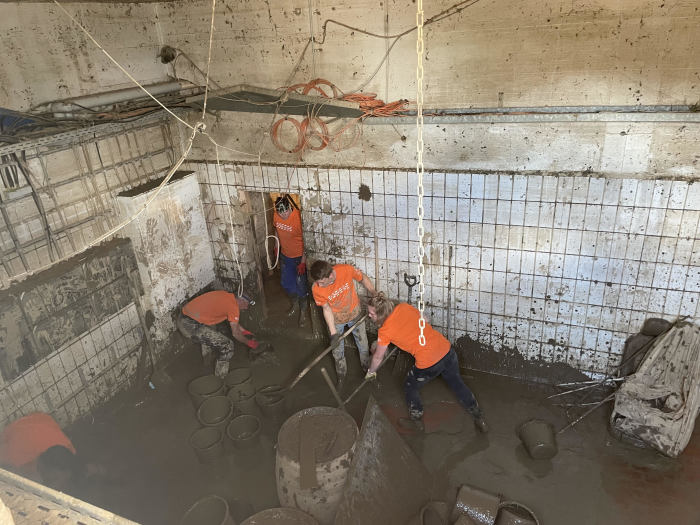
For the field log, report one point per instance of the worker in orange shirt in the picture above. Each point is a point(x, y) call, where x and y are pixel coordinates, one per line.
point(197, 318)
point(334, 291)
point(35, 447)
point(399, 325)
point(287, 221)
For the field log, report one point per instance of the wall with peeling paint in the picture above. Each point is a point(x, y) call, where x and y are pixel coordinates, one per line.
point(171, 244)
point(561, 268)
point(65, 194)
point(70, 337)
point(491, 54)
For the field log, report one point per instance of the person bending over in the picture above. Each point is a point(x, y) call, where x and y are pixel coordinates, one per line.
point(35, 447)
point(334, 291)
point(197, 318)
point(399, 325)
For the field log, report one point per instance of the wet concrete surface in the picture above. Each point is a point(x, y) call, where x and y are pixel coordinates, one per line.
point(152, 476)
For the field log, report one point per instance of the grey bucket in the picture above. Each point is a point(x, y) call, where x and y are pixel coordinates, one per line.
point(281, 516)
point(215, 412)
point(210, 510)
point(239, 382)
point(539, 439)
point(203, 387)
point(514, 513)
point(271, 400)
point(243, 430)
point(208, 444)
point(243, 404)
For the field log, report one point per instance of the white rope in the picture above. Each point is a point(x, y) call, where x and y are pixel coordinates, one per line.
point(119, 65)
point(270, 266)
point(420, 47)
point(211, 37)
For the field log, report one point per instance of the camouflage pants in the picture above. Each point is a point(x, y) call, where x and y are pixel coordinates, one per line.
point(207, 336)
point(360, 336)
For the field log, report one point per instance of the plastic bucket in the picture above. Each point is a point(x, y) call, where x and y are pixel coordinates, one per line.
point(281, 516)
point(208, 444)
point(271, 400)
point(478, 505)
point(514, 513)
point(239, 383)
point(243, 404)
point(333, 434)
point(243, 431)
point(210, 510)
point(538, 437)
point(215, 412)
point(204, 387)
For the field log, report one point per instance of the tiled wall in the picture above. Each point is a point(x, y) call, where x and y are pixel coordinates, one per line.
point(71, 337)
point(561, 267)
point(65, 195)
point(80, 376)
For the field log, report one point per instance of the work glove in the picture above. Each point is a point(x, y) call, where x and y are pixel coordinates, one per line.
point(370, 376)
point(301, 268)
point(335, 339)
point(252, 344)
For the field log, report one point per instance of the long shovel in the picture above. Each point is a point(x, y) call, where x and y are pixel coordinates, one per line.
point(276, 390)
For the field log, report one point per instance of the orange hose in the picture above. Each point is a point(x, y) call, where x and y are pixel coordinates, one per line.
point(368, 103)
point(300, 135)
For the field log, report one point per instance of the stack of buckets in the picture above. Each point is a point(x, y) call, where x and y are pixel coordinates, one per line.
point(225, 407)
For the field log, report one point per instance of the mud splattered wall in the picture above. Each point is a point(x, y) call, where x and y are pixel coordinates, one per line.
point(64, 194)
point(561, 268)
point(492, 53)
point(70, 337)
point(171, 244)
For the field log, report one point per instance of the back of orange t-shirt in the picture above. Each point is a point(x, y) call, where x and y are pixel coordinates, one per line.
point(213, 307)
point(290, 234)
point(401, 328)
point(341, 296)
point(24, 440)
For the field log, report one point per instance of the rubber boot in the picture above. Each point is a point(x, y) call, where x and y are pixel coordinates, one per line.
point(341, 370)
point(221, 368)
point(294, 309)
point(304, 311)
point(479, 421)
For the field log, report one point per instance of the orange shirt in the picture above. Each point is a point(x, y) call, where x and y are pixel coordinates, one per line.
point(213, 307)
point(24, 440)
point(401, 328)
point(290, 234)
point(341, 295)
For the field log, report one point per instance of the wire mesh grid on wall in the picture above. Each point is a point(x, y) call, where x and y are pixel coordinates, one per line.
point(58, 193)
point(562, 268)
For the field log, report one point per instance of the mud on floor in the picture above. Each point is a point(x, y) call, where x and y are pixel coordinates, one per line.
point(152, 476)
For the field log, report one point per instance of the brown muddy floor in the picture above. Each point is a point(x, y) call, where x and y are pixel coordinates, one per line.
point(152, 475)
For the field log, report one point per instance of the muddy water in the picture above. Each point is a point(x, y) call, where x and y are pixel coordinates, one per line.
point(153, 476)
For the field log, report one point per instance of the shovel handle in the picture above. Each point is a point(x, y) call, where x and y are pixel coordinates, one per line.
point(320, 356)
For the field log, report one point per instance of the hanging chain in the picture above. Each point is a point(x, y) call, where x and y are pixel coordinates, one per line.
point(420, 47)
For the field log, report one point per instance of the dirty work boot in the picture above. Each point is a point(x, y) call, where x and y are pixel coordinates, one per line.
point(479, 421)
point(481, 425)
point(294, 309)
point(221, 368)
point(304, 311)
